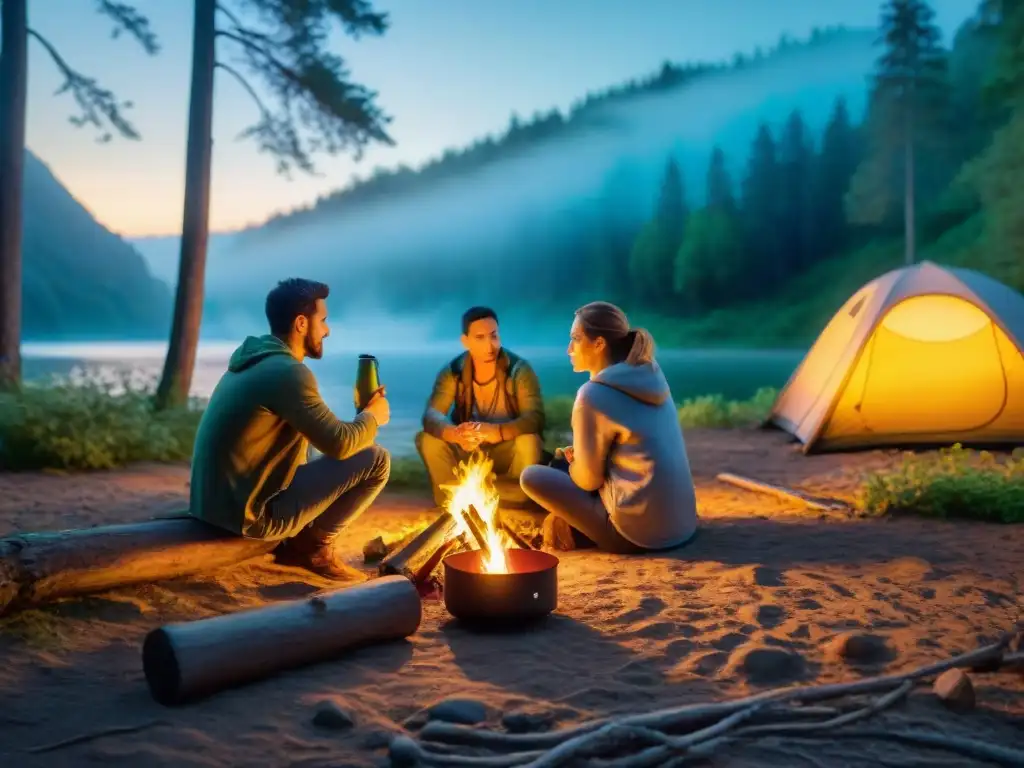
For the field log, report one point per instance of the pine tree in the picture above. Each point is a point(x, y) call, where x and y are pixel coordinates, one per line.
point(908, 106)
point(796, 166)
point(836, 164)
point(317, 110)
point(720, 195)
point(99, 108)
point(652, 260)
point(761, 210)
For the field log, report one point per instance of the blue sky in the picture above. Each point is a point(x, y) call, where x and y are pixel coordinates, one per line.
point(447, 71)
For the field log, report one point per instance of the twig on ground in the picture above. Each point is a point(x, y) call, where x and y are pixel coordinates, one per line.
point(980, 750)
point(81, 738)
point(616, 735)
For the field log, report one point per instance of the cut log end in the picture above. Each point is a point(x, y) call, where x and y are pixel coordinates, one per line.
point(161, 667)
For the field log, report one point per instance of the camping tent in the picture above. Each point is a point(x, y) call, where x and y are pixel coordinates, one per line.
point(923, 355)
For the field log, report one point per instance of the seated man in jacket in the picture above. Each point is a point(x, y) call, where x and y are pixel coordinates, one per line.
point(249, 470)
point(485, 399)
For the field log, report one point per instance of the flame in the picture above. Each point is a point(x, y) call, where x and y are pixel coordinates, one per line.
point(474, 485)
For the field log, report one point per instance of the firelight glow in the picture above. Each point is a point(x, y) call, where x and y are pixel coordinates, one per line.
point(474, 486)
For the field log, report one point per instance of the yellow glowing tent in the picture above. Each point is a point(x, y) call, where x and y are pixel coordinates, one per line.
point(923, 355)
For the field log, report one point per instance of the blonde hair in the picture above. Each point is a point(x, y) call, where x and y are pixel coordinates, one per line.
point(600, 319)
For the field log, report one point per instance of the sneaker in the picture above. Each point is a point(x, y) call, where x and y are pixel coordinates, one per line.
point(558, 534)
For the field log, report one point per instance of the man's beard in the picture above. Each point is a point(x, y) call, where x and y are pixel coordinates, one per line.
point(314, 351)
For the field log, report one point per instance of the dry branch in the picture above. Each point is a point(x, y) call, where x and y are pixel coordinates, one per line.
point(705, 727)
point(787, 494)
point(38, 567)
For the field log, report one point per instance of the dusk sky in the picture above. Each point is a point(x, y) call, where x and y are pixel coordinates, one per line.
point(447, 71)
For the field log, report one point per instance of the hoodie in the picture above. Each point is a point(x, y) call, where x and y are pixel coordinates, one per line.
point(628, 445)
point(256, 431)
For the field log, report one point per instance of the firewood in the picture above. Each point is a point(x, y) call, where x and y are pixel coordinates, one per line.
point(186, 661)
point(477, 528)
point(411, 559)
point(38, 567)
point(514, 537)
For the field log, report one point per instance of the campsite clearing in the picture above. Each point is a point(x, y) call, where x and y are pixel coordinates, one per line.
point(765, 596)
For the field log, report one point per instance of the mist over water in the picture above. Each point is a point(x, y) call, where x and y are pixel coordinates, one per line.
point(408, 371)
point(619, 149)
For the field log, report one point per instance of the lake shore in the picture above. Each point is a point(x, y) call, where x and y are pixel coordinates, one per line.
point(757, 600)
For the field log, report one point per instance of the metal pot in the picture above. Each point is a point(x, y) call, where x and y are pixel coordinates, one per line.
point(528, 591)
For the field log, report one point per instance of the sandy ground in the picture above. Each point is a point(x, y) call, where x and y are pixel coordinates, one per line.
point(753, 602)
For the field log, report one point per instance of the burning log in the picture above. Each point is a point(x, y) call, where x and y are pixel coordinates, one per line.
point(39, 567)
point(417, 559)
point(477, 528)
point(186, 661)
point(514, 537)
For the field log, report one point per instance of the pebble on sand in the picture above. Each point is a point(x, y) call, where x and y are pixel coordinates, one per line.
point(330, 715)
point(860, 648)
point(955, 689)
point(456, 710)
point(766, 666)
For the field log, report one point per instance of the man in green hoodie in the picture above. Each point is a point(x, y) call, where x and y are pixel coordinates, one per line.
point(249, 470)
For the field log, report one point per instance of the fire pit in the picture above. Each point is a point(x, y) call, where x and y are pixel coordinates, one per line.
point(501, 579)
point(526, 589)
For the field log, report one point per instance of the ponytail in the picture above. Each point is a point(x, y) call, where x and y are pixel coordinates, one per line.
point(641, 347)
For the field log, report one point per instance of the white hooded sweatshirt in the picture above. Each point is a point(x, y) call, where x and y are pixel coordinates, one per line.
point(628, 445)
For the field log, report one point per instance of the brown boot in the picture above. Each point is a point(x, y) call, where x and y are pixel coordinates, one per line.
point(324, 562)
point(558, 534)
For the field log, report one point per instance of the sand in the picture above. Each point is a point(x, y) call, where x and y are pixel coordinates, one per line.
point(755, 601)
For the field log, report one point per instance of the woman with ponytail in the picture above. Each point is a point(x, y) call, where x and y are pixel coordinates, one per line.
point(629, 487)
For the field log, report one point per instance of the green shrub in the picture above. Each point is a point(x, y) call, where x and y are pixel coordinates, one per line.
point(90, 421)
point(715, 411)
point(408, 474)
point(953, 483)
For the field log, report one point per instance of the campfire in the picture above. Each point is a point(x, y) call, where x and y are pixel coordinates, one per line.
point(489, 571)
point(473, 503)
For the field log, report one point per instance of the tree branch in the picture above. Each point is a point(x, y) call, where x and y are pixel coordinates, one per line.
point(127, 19)
point(264, 112)
point(98, 105)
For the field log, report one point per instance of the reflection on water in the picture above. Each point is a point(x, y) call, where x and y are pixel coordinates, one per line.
point(409, 374)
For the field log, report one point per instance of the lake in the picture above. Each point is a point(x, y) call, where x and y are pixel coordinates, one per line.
point(409, 374)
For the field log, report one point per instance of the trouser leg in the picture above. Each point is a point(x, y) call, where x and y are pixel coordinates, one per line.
point(440, 459)
point(555, 491)
point(510, 458)
point(324, 497)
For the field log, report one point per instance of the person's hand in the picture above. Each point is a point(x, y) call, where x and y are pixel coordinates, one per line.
point(468, 436)
point(379, 408)
point(489, 433)
point(568, 453)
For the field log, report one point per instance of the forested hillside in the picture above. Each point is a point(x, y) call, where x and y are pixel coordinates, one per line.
point(80, 280)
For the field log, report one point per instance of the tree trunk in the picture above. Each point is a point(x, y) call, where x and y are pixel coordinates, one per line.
point(186, 661)
point(188, 302)
point(909, 222)
point(13, 81)
point(39, 567)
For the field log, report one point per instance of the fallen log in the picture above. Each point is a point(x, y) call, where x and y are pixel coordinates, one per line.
point(186, 661)
point(39, 567)
point(418, 555)
point(787, 494)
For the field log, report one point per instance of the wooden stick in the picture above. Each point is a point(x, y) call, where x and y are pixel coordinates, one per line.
point(514, 537)
point(39, 567)
point(81, 738)
point(679, 717)
point(410, 560)
point(185, 661)
point(788, 494)
point(477, 528)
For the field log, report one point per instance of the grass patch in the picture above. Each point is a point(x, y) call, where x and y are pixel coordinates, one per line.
point(952, 483)
point(89, 421)
point(714, 411)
